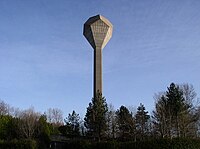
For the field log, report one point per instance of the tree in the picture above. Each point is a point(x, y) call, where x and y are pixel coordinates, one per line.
point(27, 123)
point(176, 105)
point(72, 126)
point(174, 115)
point(125, 123)
point(161, 116)
point(190, 117)
point(55, 116)
point(95, 118)
point(111, 122)
point(4, 108)
point(43, 132)
point(5, 121)
point(142, 119)
point(188, 93)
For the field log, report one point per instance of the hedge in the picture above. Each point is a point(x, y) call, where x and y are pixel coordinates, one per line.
point(18, 144)
point(149, 144)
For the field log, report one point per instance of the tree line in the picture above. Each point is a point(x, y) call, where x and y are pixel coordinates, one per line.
point(176, 115)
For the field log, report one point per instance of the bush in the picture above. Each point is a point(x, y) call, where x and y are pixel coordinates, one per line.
point(148, 144)
point(18, 144)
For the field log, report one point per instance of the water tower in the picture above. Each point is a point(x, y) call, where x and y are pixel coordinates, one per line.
point(98, 31)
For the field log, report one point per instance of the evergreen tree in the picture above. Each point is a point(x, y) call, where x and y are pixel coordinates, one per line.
point(43, 132)
point(72, 127)
point(125, 123)
point(8, 128)
point(142, 119)
point(95, 118)
point(176, 105)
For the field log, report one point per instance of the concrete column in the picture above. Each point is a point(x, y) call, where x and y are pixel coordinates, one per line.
point(97, 70)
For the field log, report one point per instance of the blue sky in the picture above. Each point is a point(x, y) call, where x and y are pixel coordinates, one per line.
point(46, 62)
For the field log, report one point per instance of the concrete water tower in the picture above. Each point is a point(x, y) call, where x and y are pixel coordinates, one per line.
point(98, 31)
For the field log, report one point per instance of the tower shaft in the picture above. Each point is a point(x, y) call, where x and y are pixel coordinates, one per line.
point(97, 70)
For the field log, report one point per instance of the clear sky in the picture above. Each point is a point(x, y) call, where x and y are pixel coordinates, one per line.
point(46, 62)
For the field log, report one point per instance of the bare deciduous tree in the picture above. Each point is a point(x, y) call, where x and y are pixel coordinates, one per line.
point(4, 108)
point(111, 122)
point(188, 93)
point(55, 116)
point(27, 123)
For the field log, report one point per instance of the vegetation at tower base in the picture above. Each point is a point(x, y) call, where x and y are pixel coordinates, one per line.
point(174, 123)
point(95, 118)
